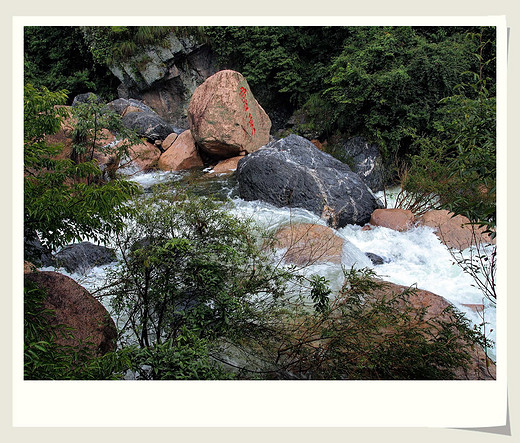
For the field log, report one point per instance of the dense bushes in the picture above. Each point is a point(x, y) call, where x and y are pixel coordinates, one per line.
point(58, 58)
point(379, 82)
point(60, 204)
point(197, 295)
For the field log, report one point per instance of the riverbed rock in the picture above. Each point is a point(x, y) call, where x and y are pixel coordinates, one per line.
point(168, 141)
point(366, 161)
point(122, 105)
point(143, 157)
point(454, 231)
point(374, 258)
point(87, 97)
point(74, 307)
point(292, 172)
point(28, 267)
point(181, 155)
point(308, 244)
point(394, 218)
point(148, 125)
point(227, 166)
point(164, 75)
point(80, 257)
point(225, 118)
point(34, 251)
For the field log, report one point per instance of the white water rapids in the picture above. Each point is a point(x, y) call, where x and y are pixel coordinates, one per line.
point(414, 257)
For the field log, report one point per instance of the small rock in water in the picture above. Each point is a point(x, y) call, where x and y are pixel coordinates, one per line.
point(82, 256)
point(374, 258)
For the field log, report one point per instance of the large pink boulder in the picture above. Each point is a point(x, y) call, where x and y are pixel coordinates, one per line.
point(73, 306)
point(454, 231)
point(225, 118)
point(396, 219)
point(307, 244)
point(182, 154)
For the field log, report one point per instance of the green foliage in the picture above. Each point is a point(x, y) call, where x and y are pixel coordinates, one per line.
point(283, 64)
point(457, 161)
point(388, 80)
point(185, 358)
point(115, 44)
point(58, 203)
point(91, 120)
point(363, 336)
point(58, 58)
point(190, 270)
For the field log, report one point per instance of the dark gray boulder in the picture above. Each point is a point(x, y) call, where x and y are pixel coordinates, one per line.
point(148, 125)
point(88, 97)
point(80, 257)
point(119, 105)
point(292, 172)
point(374, 258)
point(34, 251)
point(366, 161)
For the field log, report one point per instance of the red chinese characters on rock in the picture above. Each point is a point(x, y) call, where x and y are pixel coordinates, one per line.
point(243, 93)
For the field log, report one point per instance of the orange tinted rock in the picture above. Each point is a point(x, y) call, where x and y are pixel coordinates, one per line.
point(227, 166)
point(396, 219)
point(318, 144)
point(144, 156)
point(181, 155)
point(168, 141)
point(308, 243)
point(454, 231)
point(225, 118)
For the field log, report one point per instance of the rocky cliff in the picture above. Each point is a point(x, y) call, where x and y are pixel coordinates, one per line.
point(164, 76)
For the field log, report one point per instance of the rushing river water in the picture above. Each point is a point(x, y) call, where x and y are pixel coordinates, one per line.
point(414, 257)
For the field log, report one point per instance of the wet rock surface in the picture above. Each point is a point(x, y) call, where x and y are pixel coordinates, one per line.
point(292, 172)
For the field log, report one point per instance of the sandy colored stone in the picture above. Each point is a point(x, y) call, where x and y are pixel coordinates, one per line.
point(225, 118)
point(144, 155)
point(130, 109)
point(227, 166)
point(308, 243)
point(396, 219)
point(181, 155)
point(168, 141)
point(454, 231)
point(28, 267)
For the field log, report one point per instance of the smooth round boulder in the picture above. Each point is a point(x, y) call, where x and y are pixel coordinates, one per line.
point(225, 118)
point(292, 172)
point(307, 244)
point(73, 306)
